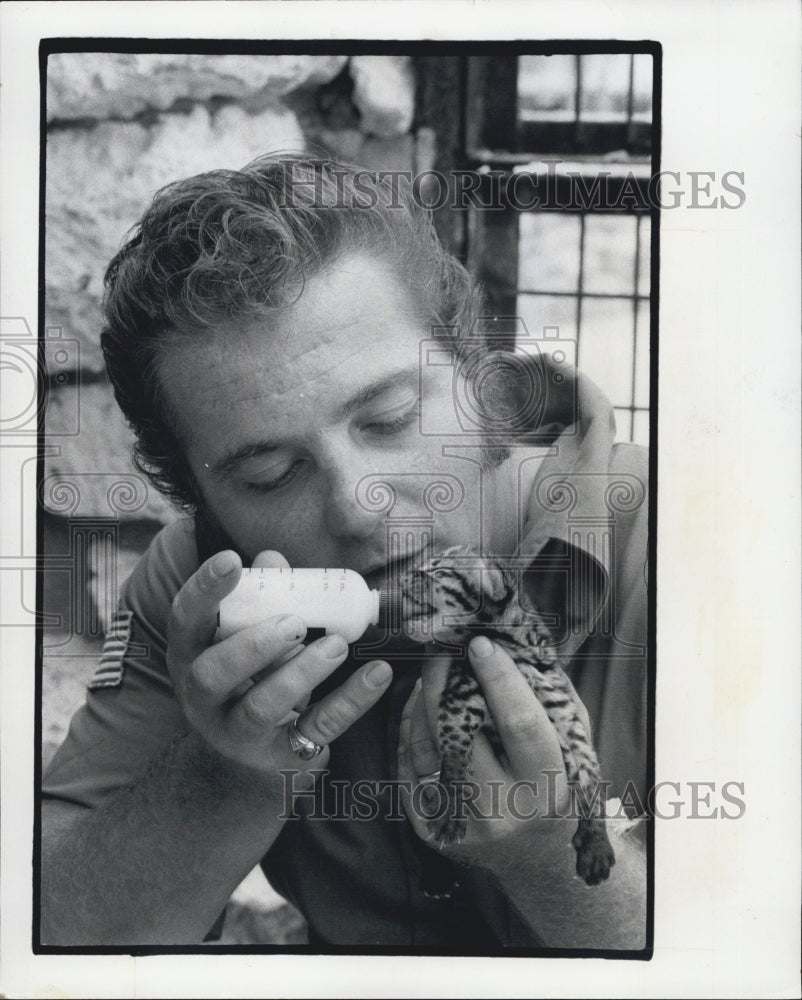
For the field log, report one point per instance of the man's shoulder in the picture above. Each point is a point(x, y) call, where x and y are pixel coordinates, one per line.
point(628, 457)
point(627, 502)
point(628, 474)
point(167, 563)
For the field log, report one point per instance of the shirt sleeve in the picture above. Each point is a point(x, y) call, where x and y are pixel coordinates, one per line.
point(590, 578)
point(131, 711)
point(612, 674)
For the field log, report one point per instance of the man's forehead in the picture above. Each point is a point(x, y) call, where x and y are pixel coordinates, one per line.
point(340, 307)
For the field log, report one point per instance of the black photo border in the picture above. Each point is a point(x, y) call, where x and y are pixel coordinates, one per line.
point(51, 46)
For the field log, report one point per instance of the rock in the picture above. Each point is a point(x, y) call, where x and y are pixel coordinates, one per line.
point(77, 315)
point(388, 154)
point(91, 473)
point(247, 925)
point(240, 137)
point(83, 85)
point(425, 149)
point(384, 93)
point(255, 891)
point(335, 104)
point(343, 144)
point(256, 914)
point(100, 180)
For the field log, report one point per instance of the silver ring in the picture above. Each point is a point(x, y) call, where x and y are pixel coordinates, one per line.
point(429, 779)
point(305, 748)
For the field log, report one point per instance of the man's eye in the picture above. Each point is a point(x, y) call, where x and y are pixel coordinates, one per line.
point(393, 424)
point(268, 485)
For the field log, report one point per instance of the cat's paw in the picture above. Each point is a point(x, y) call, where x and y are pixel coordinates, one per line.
point(594, 854)
point(449, 824)
point(448, 829)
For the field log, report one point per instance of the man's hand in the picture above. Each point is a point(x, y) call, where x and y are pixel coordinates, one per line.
point(522, 795)
point(241, 694)
point(157, 861)
point(525, 841)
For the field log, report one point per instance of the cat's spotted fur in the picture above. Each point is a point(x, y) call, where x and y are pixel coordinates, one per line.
point(455, 596)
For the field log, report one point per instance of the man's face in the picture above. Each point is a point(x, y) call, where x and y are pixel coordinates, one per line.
point(288, 423)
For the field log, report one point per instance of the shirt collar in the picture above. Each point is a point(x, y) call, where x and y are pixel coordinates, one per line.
point(570, 497)
point(570, 494)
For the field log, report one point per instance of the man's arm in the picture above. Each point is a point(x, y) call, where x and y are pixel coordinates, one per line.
point(561, 909)
point(523, 836)
point(156, 862)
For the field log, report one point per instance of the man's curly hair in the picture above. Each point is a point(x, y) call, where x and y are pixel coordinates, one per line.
point(231, 245)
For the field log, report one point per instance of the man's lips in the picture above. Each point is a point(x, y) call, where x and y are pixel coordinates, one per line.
point(393, 569)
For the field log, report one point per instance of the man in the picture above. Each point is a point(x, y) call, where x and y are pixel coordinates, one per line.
point(266, 337)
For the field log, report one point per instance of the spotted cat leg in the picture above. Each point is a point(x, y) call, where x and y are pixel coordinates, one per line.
point(462, 711)
point(594, 854)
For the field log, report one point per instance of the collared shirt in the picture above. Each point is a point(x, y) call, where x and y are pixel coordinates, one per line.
point(350, 861)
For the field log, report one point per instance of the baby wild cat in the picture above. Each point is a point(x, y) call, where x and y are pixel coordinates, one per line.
point(453, 597)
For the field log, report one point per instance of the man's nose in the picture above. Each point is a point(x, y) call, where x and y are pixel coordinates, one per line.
point(348, 512)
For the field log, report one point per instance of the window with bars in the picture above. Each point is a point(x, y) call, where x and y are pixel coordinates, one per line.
point(575, 263)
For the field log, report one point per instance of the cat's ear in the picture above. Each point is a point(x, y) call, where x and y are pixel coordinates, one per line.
point(460, 551)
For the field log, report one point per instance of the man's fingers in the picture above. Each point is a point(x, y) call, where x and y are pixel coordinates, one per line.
point(252, 653)
point(527, 735)
point(433, 679)
point(485, 762)
point(325, 720)
point(193, 617)
point(270, 559)
point(290, 684)
point(423, 751)
point(524, 727)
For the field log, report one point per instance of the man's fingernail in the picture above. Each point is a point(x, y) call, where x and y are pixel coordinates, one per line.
point(431, 799)
point(481, 646)
point(223, 564)
point(291, 627)
point(378, 674)
point(333, 645)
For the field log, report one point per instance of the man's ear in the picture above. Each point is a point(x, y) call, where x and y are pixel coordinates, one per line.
point(532, 390)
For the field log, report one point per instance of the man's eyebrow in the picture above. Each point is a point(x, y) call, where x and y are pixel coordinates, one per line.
point(255, 449)
point(232, 459)
point(402, 377)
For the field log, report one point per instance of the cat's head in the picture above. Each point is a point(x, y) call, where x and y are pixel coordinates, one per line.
point(449, 596)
